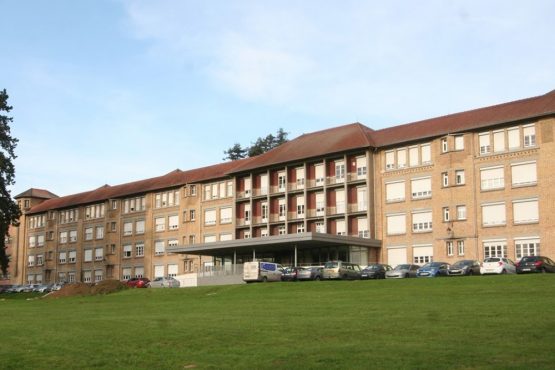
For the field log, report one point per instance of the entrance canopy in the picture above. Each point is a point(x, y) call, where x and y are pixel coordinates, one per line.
point(276, 243)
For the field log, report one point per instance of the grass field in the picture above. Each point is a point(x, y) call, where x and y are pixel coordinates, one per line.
point(502, 322)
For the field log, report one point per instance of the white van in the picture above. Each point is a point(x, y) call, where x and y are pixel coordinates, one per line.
point(262, 271)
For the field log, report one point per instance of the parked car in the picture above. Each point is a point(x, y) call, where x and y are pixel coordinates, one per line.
point(57, 286)
point(5, 288)
point(137, 282)
point(433, 269)
point(43, 288)
point(464, 267)
point(402, 271)
point(310, 273)
point(290, 273)
point(342, 270)
point(375, 271)
point(17, 289)
point(164, 282)
point(535, 264)
point(497, 265)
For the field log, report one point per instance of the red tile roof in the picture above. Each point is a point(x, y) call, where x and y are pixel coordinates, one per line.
point(334, 140)
point(36, 193)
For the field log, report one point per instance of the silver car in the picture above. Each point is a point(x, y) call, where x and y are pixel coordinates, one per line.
point(164, 282)
point(402, 271)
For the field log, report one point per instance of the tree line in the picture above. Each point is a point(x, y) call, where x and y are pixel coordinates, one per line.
point(261, 145)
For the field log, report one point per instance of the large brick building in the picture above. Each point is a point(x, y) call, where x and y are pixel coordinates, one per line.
point(467, 185)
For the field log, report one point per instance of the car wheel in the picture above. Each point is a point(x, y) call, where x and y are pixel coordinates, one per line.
point(317, 278)
point(264, 279)
point(543, 271)
point(407, 276)
point(470, 272)
point(504, 272)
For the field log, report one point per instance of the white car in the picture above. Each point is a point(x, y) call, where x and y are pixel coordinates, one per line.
point(497, 265)
point(164, 282)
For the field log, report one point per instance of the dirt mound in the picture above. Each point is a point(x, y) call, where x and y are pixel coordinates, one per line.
point(83, 289)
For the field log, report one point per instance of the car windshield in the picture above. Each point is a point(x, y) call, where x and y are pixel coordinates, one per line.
point(432, 265)
point(331, 265)
point(461, 264)
point(401, 267)
point(492, 259)
point(529, 259)
point(373, 267)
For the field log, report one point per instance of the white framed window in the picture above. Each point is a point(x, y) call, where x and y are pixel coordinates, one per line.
point(32, 241)
point(460, 247)
point(281, 181)
point(461, 212)
point(449, 247)
point(390, 160)
point(210, 217)
point(63, 237)
point(446, 216)
point(127, 250)
point(444, 146)
point(226, 215)
point(73, 236)
point(100, 232)
point(247, 235)
point(524, 174)
point(445, 179)
point(72, 256)
point(94, 211)
point(362, 198)
point(402, 158)
point(247, 213)
point(484, 140)
point(320, 227)
point(362, 223)
point(340, 201)
point(422, 221)
point(248, 187)
point(226, 236)
point(396, 224)
point(529, 133)
point(422, 254)
point(159, 247)
point(127, 228)
point(320, 204)
point(139, 271)
point(426, 153)
point(264, 232)
point(499, 141)
point(319, 173)
point(160, 224)
point(459, 142)
point(361, 167)
point(493, 214)
point(264, 211)
point(459, 177)
point(413, 156)
point(62, 257)
point(173, 222)
point(513, 134)
point(527, 247)
point(40, 240)
point(421, 187)
point(282, 209)
point(88, 255)
point(300, 206)
point(525, 211)
point(492, 178)
point(40, 259)
point(300, 228)
point(88, 233)
point(340, 227)
point(87, 276)
point(140, 227)
point(264, 184)
point(139, 249)
point(339, 171)
point(98, 275)
point(192, 215)
point(210, 238)
point(495, 248)
point(172, 270)
point(71, 277)
point(159, 271)
point(282, 230)
point(30, 260)
point(173, 243)
point(395, 191)
point(134, 204)
point(99, 254)
point(299, 173)
point(126, 273)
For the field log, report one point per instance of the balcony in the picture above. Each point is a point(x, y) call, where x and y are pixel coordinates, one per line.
point(243, 222)
point(313, 183)
point(358, 207)
point(332, 180)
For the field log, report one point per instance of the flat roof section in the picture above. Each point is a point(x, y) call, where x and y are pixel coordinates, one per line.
point(275, 243)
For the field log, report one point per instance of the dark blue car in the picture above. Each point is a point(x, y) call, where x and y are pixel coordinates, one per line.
point(433, 269)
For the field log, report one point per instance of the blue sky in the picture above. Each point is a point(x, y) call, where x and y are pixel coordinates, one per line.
point(119, 91)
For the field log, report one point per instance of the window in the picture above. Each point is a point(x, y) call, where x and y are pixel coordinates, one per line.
point(459, 177)
point(31, 242)
point(459, 142)
point(247, 235)
point(264, 209)
point(99, 254)
point(362, 224)
point(340, 201)
point(159, 248)
point(401, 158)
point(193, 190)
point(422, 254)
point(524, 174)
point(114, 204)
point(172, 270)
point(413, 156)
point(449, 246)
point(299, 172)
point(31, 261)
point(320, 204)
point(166, 199)
point(100, 232)
point(513, 134)
point(173, 222)
point(529, 133)
point(300, 206)
point(226, 236)
point(389, 160)
point(192, 215)
point(361, 167)
point(444, 146)
point(207, 192)
point(88, 233)
point(492, 178)
point(300, 228)
point(499, 141)
point(484, 141)
point(40, 259)
point(264, 184)
point(525, 211)
point(527, 247)
point(493, 214)
point(113, 226)
point(282, 209)
point(264, 232)
point(62, 257)
point(247, 186)
point(320, 227)
point(214, 191)
point(396, 224)
point(395, 191)
point(422, 222)
point(127, 249)
point(210, 238)
point(497, 248)
point(40, 240)
point(135, 204)
point(127, 228)
point(460, 247)
point(73, 236)
point(88, 255)
point(210, 217)
point(139, 250)
point(139, 272)
point(230, 188)
point(173, 243)
point(98, 275)
point(72, 256)
point(160, 224)
point(281, 181)
point(281, 230)
point(126, 273)
point(140, 227)
point(445, 179)
point(461, 212)
point(69, 215)
point(446, 214)
point(421, 188)
point(87, 276)
point(71, 277)
point(319, 174)
point(63, 237)
point(226, 215)
point(94, 211)
point(426, 153)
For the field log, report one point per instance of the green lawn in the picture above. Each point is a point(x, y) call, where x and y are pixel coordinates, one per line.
point(503, 322)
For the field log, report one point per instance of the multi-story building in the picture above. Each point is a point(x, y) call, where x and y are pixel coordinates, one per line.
point(469, 185)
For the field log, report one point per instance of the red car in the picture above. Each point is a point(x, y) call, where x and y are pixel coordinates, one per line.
point(137, 282)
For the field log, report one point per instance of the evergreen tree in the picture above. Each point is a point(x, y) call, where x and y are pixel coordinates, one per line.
point(9, 210)
point(235, 152)
point(261, 145)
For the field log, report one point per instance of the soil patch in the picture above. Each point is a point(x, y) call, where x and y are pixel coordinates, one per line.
point(83, 289)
